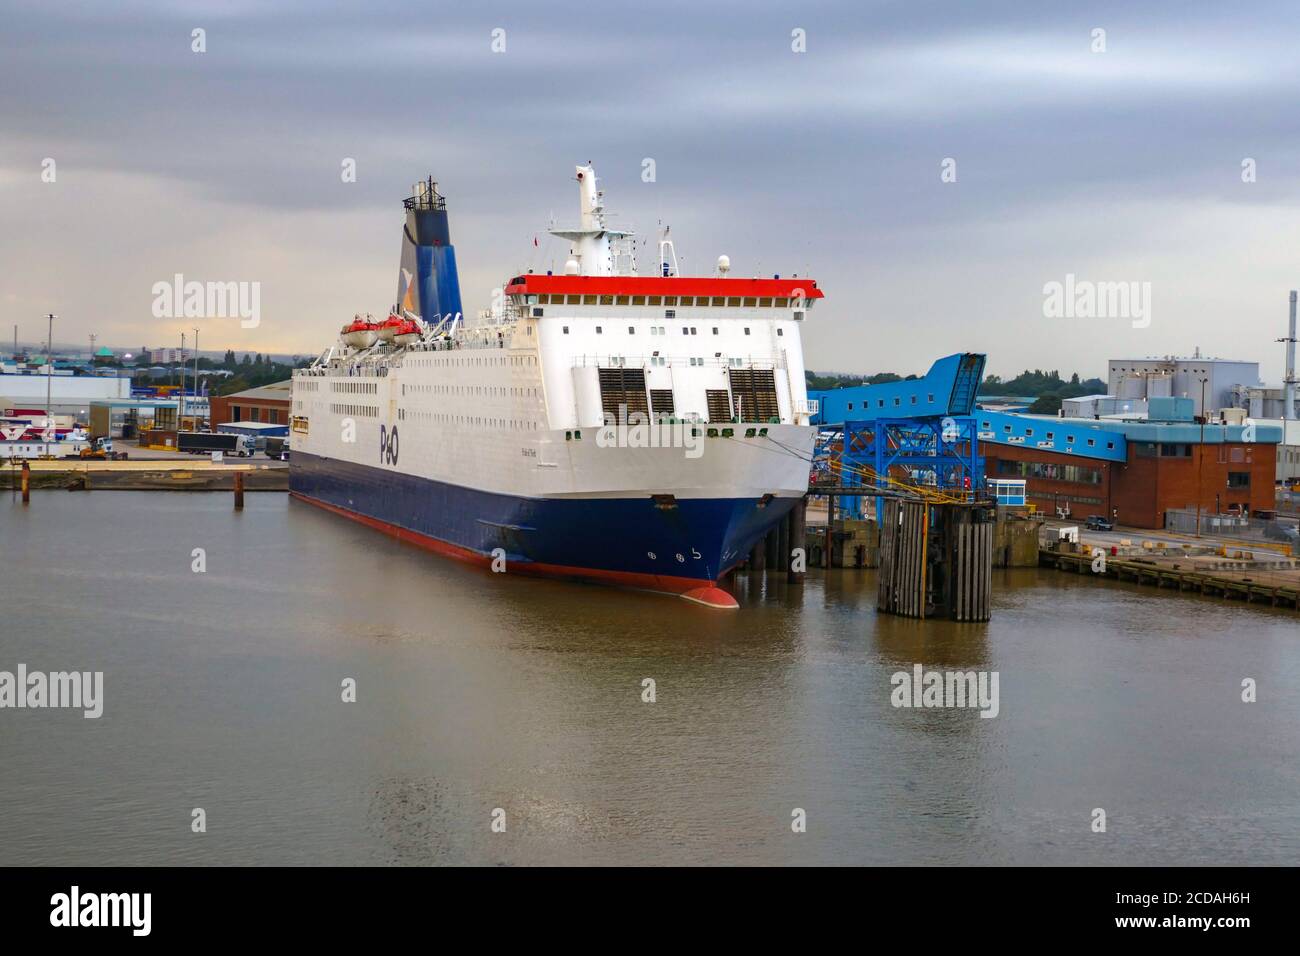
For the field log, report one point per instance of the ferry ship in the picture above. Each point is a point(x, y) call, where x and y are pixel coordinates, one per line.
point(596, 424)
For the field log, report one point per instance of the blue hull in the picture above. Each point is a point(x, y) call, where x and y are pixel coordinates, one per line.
point(699, 539)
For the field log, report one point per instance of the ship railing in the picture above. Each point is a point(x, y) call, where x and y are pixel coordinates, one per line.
point(670, 361)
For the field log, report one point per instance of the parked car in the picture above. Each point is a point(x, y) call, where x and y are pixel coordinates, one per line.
point(1099, 523)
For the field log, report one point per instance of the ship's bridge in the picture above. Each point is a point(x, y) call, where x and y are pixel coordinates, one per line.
point(698, 349)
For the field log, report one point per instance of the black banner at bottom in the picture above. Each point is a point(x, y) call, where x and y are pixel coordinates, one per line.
point(374, 905)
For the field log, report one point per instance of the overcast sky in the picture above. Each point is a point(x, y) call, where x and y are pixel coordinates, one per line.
point(1115, 166)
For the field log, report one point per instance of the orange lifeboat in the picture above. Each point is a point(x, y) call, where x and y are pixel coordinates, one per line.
point(396, 330)
point(360, 333)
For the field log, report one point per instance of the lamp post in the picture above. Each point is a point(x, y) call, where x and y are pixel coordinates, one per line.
point(180, 396)
point(194, 404)
point(1200, 459)
point(49, 381)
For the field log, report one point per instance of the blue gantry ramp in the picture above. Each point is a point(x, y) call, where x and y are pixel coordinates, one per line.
point(948, 389)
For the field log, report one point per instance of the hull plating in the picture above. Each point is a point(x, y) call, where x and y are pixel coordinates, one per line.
point(629, 541)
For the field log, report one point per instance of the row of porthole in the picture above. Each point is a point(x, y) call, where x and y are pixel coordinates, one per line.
point(695, 432)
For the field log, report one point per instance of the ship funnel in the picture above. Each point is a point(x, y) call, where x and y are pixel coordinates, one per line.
point(427, 283)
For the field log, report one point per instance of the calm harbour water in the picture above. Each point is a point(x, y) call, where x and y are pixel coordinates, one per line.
point(477, 691)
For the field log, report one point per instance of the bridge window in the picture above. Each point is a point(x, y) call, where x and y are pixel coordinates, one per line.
point(588, 300)
point(719, 300)
point(765, 302)
point(750, 302)
point(624, 300)
point(733, 302)
point(638, 300)
point(655, 300)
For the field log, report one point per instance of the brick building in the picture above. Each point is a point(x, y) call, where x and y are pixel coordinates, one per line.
point(1132, 471)
point(1224, 478)
point(267, 403)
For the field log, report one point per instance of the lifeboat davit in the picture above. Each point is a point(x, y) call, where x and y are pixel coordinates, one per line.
point(398, 331)
point(360, 333)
